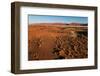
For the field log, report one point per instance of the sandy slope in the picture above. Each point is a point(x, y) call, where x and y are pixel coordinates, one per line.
point(56, 42)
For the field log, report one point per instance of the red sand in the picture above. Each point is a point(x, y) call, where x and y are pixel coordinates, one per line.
point(54, 41)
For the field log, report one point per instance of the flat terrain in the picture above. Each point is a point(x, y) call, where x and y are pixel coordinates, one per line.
point(57, 41)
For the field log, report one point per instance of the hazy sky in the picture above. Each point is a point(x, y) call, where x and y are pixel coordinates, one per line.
point(56, 19)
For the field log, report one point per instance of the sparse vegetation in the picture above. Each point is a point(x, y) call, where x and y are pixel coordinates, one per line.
point(56, 42)
point(35, 43)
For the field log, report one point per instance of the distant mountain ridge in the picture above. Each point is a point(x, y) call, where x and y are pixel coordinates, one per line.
point(68, 24)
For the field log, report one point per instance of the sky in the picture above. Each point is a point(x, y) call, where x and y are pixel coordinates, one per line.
point(56, 19)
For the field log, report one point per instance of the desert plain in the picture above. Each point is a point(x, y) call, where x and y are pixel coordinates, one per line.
point(49, 41)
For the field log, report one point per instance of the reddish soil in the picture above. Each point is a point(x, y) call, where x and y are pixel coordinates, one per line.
point(57, 41)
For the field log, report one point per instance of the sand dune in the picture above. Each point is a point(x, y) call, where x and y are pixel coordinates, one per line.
point(52, 41)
